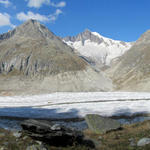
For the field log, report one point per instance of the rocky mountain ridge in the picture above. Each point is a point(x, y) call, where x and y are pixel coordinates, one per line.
point(99, 50)
point(33, 58)
point(132, 72)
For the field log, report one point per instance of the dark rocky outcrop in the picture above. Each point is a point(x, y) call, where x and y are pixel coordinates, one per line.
point(50, 133)
point(100, 125)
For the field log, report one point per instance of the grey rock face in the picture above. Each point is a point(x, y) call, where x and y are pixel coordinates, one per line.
point(143, 142)
point(34, 50)
point(7, 35)
point(86, 35)
point(132, 73)
point(100, 124)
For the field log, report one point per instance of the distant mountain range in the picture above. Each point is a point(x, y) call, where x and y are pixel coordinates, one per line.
point(99, 50)
point(35, 60)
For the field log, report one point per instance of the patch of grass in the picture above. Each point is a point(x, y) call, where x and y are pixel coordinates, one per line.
point(119, 140)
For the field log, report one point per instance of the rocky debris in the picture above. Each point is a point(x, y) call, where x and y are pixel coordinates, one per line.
point(143, 142)
point(132, 142)
point(39, 142)
point(100, 138)
point(100, 125)
point(36, 147)
point(50, 133)
point(25, 137)
point(2, 135)
point(17, 134)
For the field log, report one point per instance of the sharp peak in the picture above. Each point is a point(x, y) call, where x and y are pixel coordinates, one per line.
point(87, 30)
point(31, 22)
point(91, 32)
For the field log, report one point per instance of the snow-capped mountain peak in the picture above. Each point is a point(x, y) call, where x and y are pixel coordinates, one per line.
point(98, 49)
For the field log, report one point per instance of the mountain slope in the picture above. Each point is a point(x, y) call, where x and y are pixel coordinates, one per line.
point(132, 73)
point(34, 59)
point(98, 49)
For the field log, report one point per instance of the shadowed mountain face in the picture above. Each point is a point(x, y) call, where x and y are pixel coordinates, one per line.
point(33, 58)
point(133, 71)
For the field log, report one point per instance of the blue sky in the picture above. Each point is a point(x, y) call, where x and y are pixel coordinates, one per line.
point(118, 19)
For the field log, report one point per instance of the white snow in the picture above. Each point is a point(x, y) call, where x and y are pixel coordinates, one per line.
point(103, 52)
point(66, 105)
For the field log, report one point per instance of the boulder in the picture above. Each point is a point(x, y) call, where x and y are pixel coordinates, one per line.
point(50, 133)
point(100, 125)
point(17, 134)
point(143, 142)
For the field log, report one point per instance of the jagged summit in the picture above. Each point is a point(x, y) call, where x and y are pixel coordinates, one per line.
point(97, 48)
point(30, 28)
point(31, 21)
point(34, 29)
point(32, 56)
point(87, 30)
point(83, 36)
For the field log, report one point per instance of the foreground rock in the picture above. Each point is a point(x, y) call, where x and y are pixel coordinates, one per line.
point(143, 142)
point(53, 134)
point(100, 124)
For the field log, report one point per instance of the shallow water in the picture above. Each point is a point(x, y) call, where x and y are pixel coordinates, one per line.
point(79, 125)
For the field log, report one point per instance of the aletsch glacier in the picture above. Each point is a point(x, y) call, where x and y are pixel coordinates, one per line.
point(71, 105)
